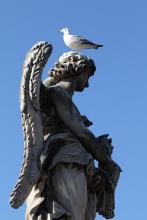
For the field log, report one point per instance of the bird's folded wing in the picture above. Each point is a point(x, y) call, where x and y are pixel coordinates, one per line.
point(80, 40)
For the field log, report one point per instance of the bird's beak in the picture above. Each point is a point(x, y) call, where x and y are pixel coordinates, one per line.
point(60, 30)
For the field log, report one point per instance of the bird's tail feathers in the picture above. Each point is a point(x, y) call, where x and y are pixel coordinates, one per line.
point(96, 46)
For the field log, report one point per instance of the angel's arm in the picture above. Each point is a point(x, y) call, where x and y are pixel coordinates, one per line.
point(70, 116)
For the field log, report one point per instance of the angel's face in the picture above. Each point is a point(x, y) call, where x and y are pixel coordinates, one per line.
point(82, 81)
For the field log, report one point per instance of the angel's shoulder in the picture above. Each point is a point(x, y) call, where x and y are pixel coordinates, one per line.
point(57, 92)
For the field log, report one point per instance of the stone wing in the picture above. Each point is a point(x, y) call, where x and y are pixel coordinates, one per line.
point(33, 66)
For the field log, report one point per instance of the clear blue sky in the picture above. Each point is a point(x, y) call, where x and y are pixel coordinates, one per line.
point(117, 98)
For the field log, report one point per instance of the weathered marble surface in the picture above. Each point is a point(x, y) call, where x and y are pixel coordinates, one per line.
point(58, 179)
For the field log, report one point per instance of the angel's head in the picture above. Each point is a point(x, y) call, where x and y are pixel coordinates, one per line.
point(72, 65)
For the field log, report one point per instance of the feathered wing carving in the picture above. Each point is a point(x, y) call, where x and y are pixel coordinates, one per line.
point(31, 121)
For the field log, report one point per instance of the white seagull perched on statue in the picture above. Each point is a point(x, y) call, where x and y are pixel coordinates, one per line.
point(76, 42)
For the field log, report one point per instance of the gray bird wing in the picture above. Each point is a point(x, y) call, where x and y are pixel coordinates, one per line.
point(80, 40)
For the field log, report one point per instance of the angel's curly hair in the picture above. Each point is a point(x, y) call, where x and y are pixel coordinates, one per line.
point(71, 64)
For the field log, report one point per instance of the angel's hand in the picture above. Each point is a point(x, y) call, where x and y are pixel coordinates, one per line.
point(106, 143)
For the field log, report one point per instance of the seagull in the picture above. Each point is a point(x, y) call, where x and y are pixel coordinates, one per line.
point(76, 42)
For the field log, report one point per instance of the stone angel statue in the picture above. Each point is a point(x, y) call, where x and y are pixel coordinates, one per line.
point(58, 178)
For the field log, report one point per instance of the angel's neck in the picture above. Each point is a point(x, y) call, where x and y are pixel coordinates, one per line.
point(68, 85)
